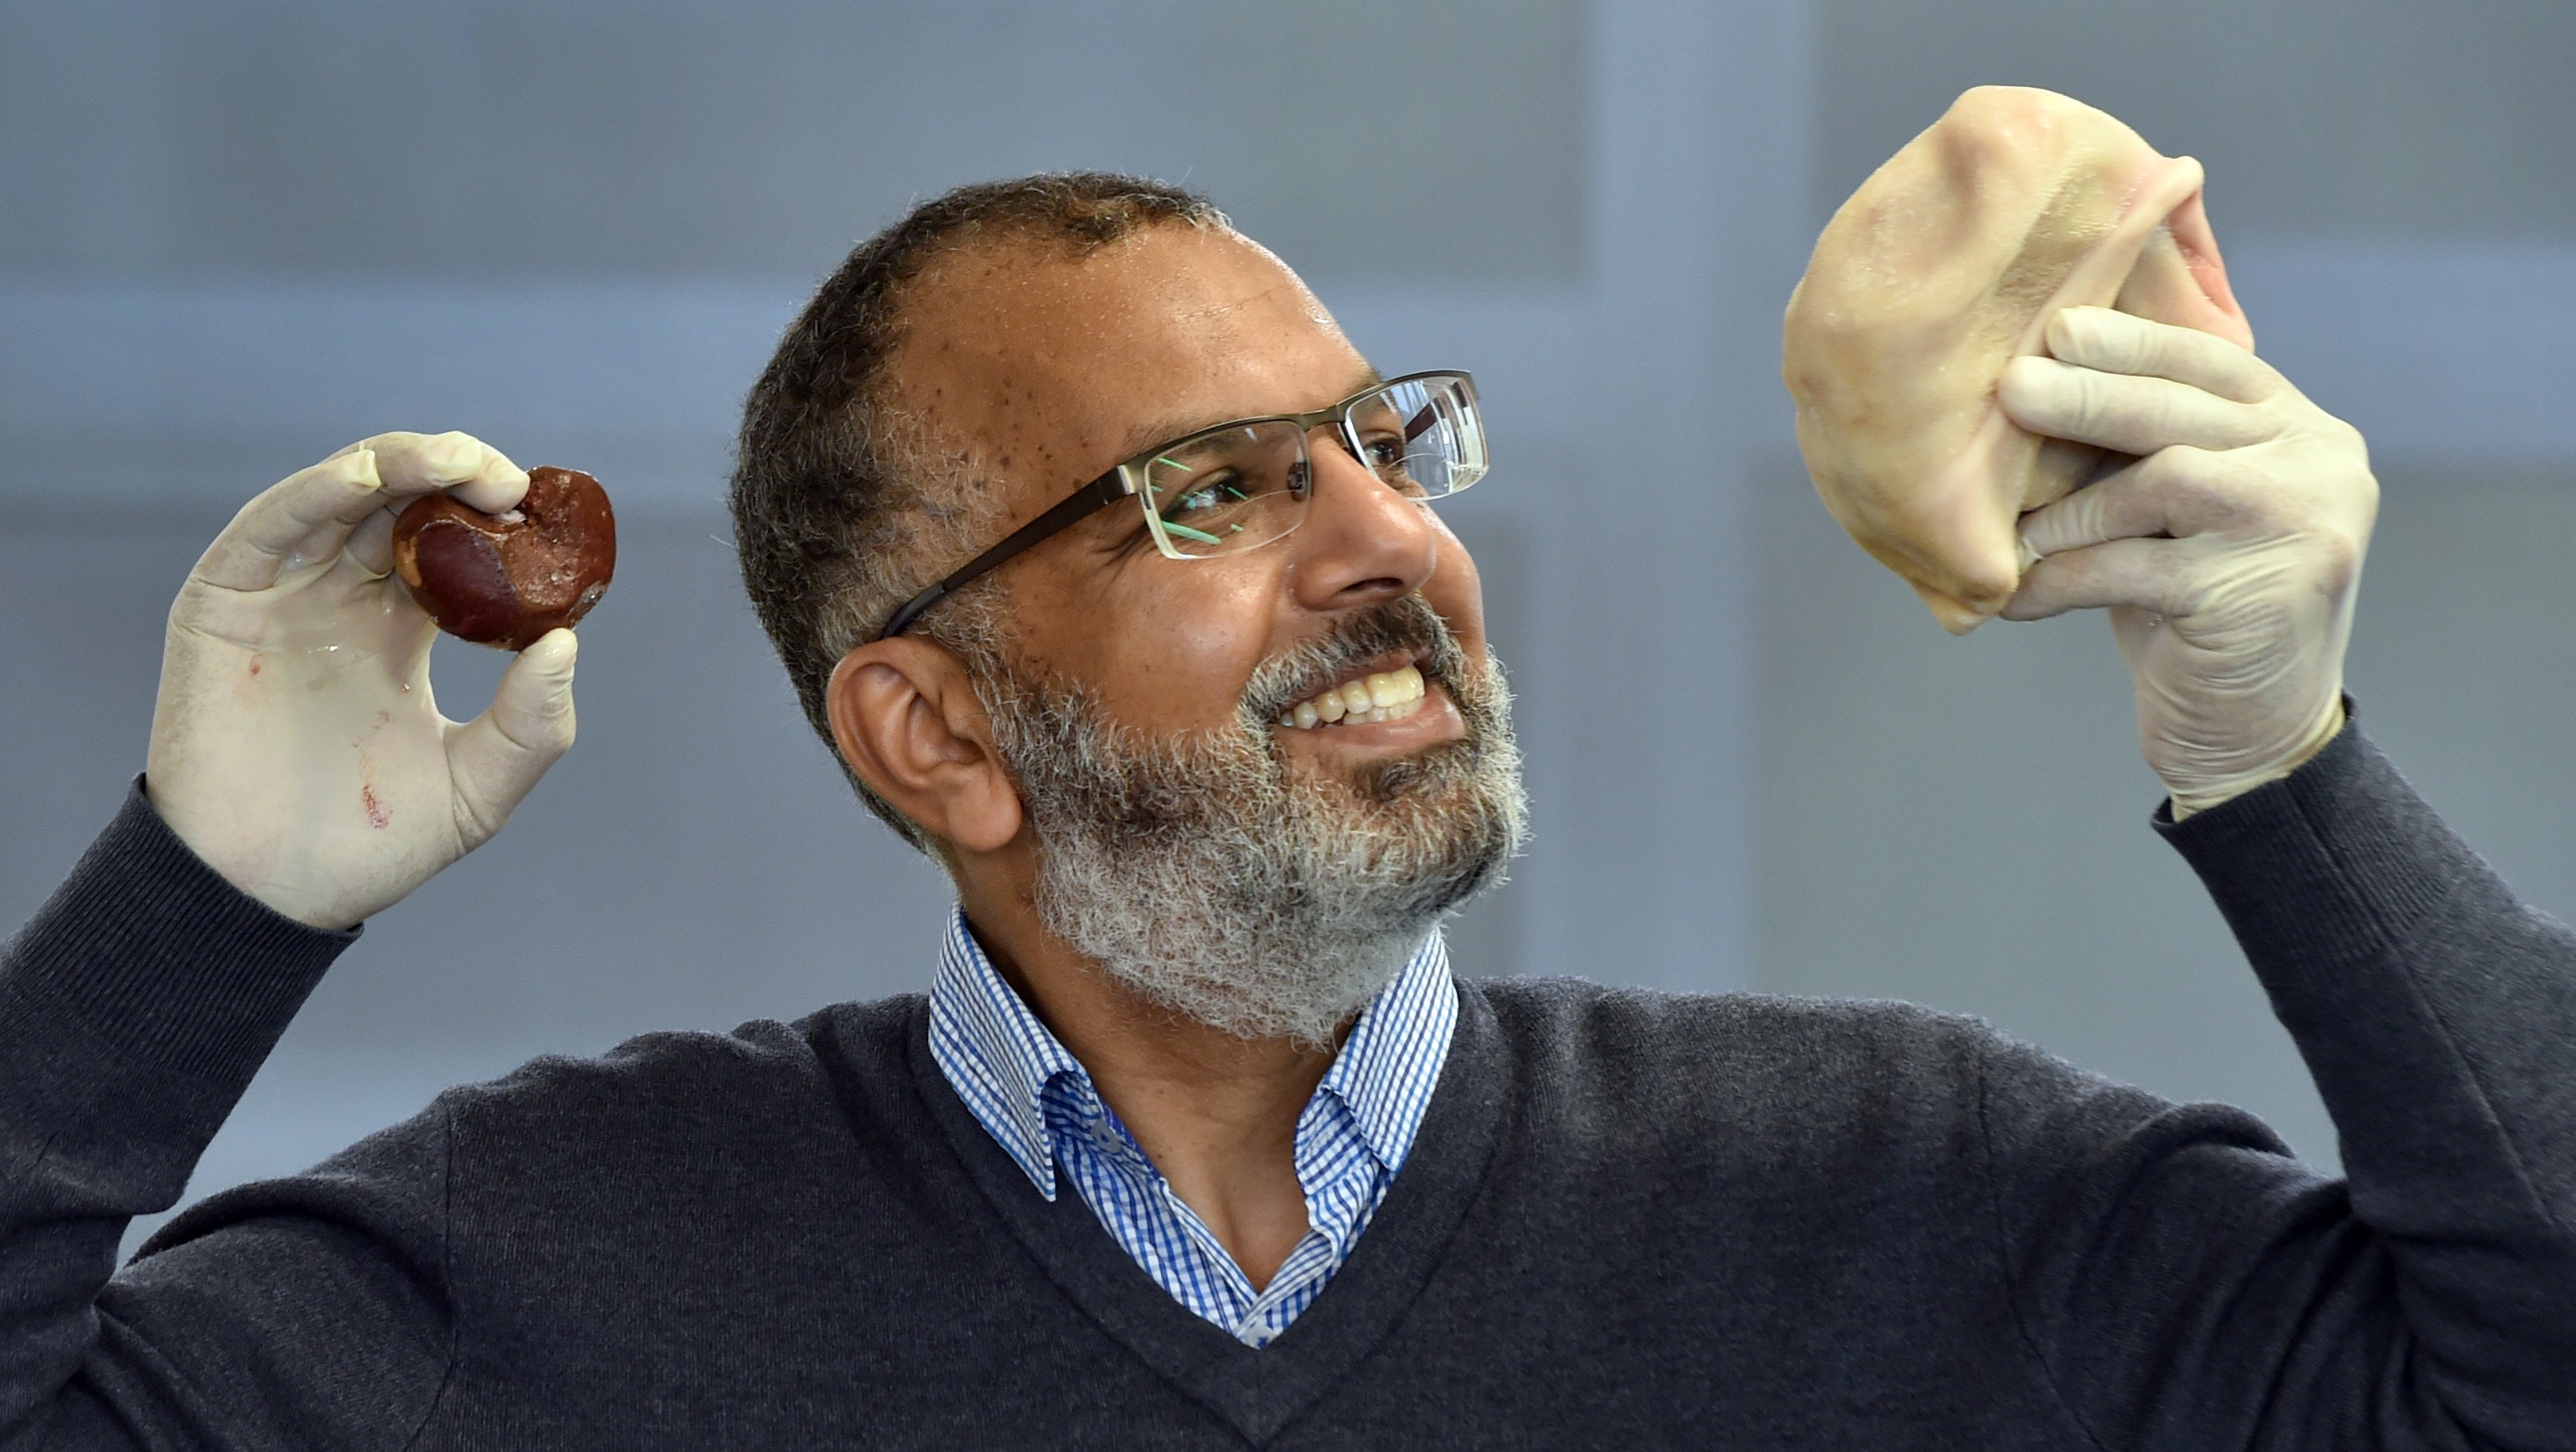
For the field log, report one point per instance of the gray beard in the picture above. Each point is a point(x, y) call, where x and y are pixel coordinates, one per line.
point(1210, 880)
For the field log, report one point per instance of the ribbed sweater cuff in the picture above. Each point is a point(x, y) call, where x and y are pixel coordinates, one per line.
point(155, 953)
point(2337, 861)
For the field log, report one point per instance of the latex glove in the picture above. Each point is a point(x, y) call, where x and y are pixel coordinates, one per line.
point(295, 744)
point(2228, 552)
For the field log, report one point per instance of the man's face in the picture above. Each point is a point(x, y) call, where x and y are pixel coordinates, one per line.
point(1261, 877)
point(1059, 368)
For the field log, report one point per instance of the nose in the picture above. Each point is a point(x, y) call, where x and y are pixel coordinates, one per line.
point(1361, 542)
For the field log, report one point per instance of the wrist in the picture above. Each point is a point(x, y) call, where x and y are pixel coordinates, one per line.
point(2200, 796)
point(219, 841)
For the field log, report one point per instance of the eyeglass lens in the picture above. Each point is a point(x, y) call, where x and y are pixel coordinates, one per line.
point(1239, 488)
point(1231, 490)
point(1422, 435)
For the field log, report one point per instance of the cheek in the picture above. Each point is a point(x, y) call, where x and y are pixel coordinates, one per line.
point(1186, 643)
point(1457, 592)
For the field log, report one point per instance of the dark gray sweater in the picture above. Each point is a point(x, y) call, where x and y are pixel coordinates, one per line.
point(1632, 1219)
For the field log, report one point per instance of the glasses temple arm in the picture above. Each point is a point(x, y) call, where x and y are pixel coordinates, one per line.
point(1080, 504)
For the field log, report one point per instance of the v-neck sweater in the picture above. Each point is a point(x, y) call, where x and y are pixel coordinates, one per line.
point(1039, 1104)
point(1630, 1218)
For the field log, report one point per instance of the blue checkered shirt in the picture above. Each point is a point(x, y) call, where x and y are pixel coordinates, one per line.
point(1038, 1103)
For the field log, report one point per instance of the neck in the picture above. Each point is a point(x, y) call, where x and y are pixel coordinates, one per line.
point(1216, 1114)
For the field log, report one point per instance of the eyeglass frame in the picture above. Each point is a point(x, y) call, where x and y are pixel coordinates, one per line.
point(1126, 478)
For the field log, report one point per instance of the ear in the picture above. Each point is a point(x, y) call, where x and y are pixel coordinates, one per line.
point(2179, 278)
point(905, 716)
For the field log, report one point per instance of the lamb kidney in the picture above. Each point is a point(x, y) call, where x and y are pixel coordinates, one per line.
point(503, 580)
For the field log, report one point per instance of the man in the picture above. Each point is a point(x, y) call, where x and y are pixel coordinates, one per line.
point(1195, 1142)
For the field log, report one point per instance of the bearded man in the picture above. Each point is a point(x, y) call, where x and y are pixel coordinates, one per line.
point(1114, 576)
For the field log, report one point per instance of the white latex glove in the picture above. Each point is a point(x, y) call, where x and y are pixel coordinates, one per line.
point(295, 744)
point(2228, 552)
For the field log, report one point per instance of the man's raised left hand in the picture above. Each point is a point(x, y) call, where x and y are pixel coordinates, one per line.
point(2228, 552)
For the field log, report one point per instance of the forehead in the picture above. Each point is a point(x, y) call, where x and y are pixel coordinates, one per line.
point(1063, 364)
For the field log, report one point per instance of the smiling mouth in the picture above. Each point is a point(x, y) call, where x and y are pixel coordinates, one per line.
point(1360, 700)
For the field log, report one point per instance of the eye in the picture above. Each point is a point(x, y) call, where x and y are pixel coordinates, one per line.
point(1387, 456)
point(1207, 492)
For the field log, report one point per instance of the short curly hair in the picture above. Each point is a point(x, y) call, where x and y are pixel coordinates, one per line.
point(843, 504)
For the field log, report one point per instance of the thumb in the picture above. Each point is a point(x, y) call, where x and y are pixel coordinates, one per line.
point(497, 757)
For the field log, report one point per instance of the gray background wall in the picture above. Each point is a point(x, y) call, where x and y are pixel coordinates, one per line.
point(234, 236)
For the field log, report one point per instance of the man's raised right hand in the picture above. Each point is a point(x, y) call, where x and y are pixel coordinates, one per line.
point(295, 744)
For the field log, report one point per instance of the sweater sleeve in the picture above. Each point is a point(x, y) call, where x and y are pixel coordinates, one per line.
point(135, 1007)
point(2187, 1284)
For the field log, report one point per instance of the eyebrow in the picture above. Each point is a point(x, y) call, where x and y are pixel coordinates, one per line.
point(1154, 435)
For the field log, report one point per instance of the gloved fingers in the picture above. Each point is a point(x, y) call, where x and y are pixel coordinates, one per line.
point(2122, 504)
point(496, 758)
point(370, 547)
point(2178, 492)
point(303, 517)
point(477, 473)
point(2146, 573)
point(2133, 630)
point(2118, 342)
point(2132, 415)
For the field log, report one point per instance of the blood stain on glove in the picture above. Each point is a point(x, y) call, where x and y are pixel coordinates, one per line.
point(1946, 265)
point(504, 580)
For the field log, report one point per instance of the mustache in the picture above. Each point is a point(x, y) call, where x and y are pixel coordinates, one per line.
point(1408, 624)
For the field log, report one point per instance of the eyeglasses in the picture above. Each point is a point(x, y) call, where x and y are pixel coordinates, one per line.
point(1240, 485)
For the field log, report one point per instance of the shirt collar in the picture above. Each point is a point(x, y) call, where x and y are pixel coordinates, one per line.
point(1001, 1059)
point(995, 1053)
point(1391, 1062)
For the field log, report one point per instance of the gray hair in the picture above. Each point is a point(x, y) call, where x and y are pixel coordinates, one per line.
point(843, 503)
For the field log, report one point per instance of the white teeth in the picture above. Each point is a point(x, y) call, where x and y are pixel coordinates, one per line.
point(1384, 696)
